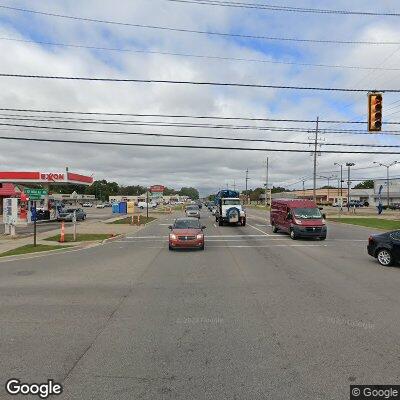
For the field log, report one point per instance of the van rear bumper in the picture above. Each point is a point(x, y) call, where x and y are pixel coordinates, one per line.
point(309, 231)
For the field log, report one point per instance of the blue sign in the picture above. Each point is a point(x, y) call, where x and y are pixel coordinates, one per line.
point(33, 214)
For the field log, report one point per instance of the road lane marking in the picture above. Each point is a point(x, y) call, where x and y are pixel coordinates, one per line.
point(274, 245)
point(265, 233)
point(248, 246)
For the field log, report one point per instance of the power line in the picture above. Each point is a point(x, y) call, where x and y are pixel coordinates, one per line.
point(199, 83)
point(187, 125)
point(189, 146)
point(181, 116)
point(271, 7)
point(161, 135)
point(195, 31)
point(202, 56)
point(187, 116)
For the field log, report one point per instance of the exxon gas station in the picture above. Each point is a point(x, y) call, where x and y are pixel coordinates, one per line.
point(25, 193)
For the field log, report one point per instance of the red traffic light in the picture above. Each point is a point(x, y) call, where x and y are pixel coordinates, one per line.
point(374, 112)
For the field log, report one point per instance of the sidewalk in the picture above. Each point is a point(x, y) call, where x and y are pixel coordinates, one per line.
point(7, 243)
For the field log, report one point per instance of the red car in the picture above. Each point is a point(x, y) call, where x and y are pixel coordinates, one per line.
point(186, 233)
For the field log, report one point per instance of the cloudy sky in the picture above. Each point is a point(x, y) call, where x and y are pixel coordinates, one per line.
point(25, 49)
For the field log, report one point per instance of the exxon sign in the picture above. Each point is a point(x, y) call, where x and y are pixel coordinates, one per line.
point(52, 177)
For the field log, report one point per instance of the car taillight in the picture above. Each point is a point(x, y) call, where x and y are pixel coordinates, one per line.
point(370, 239)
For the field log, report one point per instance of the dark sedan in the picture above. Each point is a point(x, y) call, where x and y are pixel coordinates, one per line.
point(385, 247)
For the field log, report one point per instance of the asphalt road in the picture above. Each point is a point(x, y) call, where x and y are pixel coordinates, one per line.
point(254, 316)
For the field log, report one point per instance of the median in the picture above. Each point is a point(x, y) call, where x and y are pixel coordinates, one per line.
point(136, 220)
point(376, 223)
point(81, 237)
point(30, 248)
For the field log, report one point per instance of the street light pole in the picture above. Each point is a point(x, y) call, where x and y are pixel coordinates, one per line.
point(387, 166)
point(247, 178)
point(341, 178)
point(147, 204)
point(266, 184)
point(348, 165)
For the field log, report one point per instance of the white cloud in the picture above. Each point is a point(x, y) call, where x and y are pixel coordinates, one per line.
point(206, 169)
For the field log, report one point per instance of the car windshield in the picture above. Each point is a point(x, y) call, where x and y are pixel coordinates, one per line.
point(232, 202)
point(186, 224)
point(307, 213)
point(69, 210)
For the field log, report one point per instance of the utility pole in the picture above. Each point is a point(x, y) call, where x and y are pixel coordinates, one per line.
point(329, 180)
point(341, 177)
point(304, 191)
point(247, 179)
point(234, 185)
point(348, 165)
point(147, 204)
point(315, 162)
point(387, 166)
point(266, 183)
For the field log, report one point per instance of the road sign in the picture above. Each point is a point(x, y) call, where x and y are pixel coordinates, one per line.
point(35, 194)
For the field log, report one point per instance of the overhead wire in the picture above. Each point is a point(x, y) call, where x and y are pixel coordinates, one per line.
point(272, 7)
point(197, 83)
point(197, 31)
point(109, 143)
point(168, 135)
point(200, 56)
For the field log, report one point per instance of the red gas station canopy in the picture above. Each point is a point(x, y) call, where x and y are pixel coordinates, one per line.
point(41, 178)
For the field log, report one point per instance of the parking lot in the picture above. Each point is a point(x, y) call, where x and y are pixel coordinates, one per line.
point(255, 315)
point(93, 215)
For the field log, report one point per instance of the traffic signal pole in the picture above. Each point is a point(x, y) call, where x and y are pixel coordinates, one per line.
point(315, 162)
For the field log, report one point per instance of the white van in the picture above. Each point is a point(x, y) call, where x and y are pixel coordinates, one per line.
point(142, 205)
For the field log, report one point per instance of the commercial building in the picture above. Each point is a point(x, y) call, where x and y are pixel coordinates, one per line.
point(325, 196)
point(157, 199)
point(14, 183)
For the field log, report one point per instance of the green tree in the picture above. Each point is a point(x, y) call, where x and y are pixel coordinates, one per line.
point(278, 189)
point(368, 184)
point(169, 192)
point(131, 190)
point(190, 192)
point(103, 189)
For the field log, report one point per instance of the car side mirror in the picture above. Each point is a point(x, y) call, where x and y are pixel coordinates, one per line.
point(170, 227)
point(323, 216)
point(203, 227)
point(320, 208)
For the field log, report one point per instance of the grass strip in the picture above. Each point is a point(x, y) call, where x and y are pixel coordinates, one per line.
point(376, 223)
point(29, 248)
point(80, 237)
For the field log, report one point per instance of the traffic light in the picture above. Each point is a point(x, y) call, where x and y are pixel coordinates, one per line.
point(374, 112)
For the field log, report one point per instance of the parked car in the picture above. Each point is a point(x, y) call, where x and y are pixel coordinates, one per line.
point(186, 233)
point(88, 204)
point(299, 218)
point(142, 205)
point(107, 205)
point(356, 203)
point(68, 214)
point(192, 210)
point(385, 247)
point(394, 206)
point(100, 205)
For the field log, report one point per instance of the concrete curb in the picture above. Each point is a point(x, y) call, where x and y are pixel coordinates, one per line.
point(27, 256)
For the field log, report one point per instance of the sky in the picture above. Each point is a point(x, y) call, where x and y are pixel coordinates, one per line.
point(208, 170)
